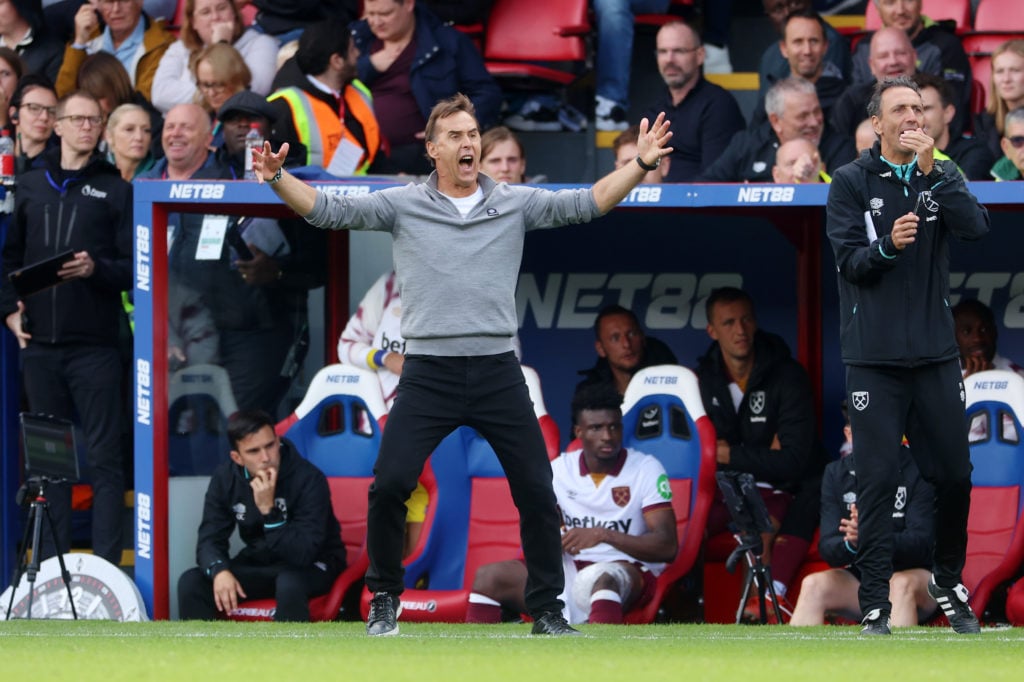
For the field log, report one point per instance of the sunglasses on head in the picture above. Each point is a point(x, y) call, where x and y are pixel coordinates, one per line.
point(1017, 141)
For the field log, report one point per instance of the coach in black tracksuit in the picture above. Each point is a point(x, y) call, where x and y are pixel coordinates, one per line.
point(291, 553)
point(890, 215)
point(73, 199)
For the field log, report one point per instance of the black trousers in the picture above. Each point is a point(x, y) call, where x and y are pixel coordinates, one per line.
point(290, 587)
point(436, 395)
point(62, 380)
point(927, 404)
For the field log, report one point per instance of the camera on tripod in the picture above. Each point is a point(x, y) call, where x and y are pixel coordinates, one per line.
point(51, 456)
point(747, 510)
point(750, 516)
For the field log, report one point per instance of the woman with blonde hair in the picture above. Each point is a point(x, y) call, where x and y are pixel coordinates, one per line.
point(220, 72)
point(1006, 93)
point(206, 23)
point(129, 136)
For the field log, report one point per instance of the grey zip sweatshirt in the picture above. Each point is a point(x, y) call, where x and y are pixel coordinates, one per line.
point(457, 276)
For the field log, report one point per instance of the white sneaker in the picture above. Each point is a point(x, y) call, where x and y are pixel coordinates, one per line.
point(609, 115)
point(716, 59)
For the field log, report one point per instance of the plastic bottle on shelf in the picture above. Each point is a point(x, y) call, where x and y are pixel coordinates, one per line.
point(253, 138)
point(6, 158)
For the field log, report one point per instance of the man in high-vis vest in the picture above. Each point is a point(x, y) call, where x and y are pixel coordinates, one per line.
point(323, 112)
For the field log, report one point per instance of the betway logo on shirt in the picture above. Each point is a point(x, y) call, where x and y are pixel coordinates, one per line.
point(591, 522)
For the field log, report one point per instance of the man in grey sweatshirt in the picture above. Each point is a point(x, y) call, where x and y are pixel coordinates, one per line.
point(458, 244)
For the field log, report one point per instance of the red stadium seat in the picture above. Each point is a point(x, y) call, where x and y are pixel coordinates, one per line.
point(663, 416)
point(1015, 603)
point(675, 12)
point(521, 33)
point(995, 528)
point(937, 10)
point(978, 91)
point(984, 43)
point(999, 15)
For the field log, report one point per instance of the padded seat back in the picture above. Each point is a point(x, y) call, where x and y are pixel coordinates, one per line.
point(995, 527)
point(663, 416)
point(200, 401)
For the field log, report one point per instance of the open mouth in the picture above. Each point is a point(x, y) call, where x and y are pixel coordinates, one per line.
point(466, 161)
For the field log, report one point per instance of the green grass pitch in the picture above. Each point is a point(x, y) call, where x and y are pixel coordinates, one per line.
point(190, 652)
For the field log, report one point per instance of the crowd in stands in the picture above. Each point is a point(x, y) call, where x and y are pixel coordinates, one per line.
point(101, 92)
point(405, 55)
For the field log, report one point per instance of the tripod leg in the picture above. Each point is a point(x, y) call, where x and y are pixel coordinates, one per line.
point(22, 566)
point(33, 568)
point(748, 582)
point(65, 574)
point(771, 591)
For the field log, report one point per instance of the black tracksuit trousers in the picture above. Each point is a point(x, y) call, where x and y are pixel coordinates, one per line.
point(436, 395)
point(926, 404)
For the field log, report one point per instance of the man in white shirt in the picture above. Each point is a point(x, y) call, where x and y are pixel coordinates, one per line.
point(618, 525)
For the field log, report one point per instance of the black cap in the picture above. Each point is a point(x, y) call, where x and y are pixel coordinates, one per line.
point(247, 102)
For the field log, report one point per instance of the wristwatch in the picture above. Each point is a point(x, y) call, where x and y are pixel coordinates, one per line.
point(647, 166)
point(277, 177)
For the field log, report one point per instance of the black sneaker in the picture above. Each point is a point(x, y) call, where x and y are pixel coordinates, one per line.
point(953, 602)
point(384, 611)
point(552, 623)
point(875, 623)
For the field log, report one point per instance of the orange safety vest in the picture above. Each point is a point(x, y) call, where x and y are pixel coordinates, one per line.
point(321, 130)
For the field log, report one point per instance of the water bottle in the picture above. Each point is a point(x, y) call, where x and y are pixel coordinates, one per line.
point(6, 158)
point(253, 138)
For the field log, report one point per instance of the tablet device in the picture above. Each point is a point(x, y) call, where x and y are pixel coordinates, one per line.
point(41, 275)
point(49, 447)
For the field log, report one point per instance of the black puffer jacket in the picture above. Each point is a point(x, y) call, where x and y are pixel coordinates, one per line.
point(778, 402)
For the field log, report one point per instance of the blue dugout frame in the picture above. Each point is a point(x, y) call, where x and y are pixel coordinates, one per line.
point(797, 211)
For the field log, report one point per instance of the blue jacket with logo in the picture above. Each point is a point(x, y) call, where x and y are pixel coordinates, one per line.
point(894, 305)
point(778, 402)
point(85, 210)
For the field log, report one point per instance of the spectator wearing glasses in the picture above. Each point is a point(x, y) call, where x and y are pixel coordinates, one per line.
point(205, 23)
point(69, 335)
point(708, 111)
point(33, 112)
point(137, 41)
point(1011, 166)
point(220, 72)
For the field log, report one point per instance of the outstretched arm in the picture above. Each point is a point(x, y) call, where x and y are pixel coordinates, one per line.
point(299, 196)
point(614, 187)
